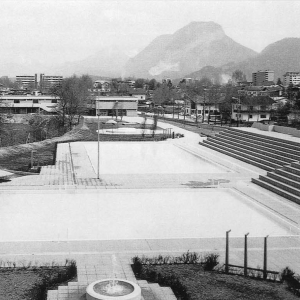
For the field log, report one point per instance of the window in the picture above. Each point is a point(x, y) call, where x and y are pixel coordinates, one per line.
point(53, 101)
point(263, 116)
point(250, 116)
point(35, 100)
point(16, 101)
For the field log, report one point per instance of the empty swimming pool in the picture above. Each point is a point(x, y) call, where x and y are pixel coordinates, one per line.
point(132, 214)
point(148, 157)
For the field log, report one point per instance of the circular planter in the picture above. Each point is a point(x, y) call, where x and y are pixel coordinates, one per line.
point(104, 290)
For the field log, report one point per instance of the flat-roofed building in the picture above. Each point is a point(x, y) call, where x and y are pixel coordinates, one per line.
point(259, 77)
point(115, 105)
point(46, 82)
point(291, 78)
point(25, 81)
point(26, 104)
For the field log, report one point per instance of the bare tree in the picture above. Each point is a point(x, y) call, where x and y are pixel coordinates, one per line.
point(73, 96)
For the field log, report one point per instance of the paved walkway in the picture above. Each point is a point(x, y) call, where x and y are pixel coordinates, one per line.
point(101, 268)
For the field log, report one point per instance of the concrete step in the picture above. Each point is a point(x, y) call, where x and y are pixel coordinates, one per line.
point(296, 165)
point(291, 169)
point(273, 140)
point(266, 154)
point(239, 157)
point(276, 190)
point(263, 146)
point(287, 174)
point(286, 187)
point(263, 160)
point(284, 179)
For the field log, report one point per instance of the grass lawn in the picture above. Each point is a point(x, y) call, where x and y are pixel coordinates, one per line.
point(206, 285)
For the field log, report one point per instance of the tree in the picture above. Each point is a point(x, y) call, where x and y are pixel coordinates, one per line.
point(73, 98)
point(152, 84)
point(163, 95)
point(278, 81)
point(139, 83)
point(237, 76)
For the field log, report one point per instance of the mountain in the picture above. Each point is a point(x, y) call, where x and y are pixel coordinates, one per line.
point(108, 62)
point(192, 47)
point(280, 57)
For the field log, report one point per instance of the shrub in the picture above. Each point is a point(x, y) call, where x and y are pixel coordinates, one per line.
point(210, 261)
point(287, 274)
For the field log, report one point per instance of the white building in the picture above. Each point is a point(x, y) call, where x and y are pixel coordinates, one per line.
point(116, 105)
point(291, 78)
point(253, 109)
point(25, 104)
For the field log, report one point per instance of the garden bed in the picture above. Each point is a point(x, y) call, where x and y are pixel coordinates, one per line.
point(189, 278)
point(32, 282)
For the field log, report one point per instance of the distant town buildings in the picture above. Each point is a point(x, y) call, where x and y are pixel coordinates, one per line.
point(46, 82)
point(261, 77)
point(26, 81)
point(291, 78)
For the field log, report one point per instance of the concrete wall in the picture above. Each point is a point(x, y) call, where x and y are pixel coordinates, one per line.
point(280, 129)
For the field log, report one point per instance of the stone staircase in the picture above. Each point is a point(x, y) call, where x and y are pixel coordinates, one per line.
point(280, 158)
point(284, 181)
point(265, 152)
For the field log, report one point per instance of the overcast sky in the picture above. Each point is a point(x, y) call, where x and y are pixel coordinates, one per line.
point(56, 31)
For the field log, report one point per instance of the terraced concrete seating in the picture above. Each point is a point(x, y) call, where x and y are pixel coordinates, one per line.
point(279, 157)
point(284, 181)
point(265, 152)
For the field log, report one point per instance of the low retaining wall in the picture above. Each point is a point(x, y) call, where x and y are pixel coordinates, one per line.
point(280, 129)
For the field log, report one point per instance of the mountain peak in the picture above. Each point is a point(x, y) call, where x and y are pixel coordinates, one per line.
point(190, 48)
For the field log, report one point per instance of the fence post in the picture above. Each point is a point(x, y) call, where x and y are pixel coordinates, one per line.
point(227, 252)
point(246, 256)
point(265, 257)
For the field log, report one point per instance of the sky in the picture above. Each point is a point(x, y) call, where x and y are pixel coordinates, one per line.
point(56, 31)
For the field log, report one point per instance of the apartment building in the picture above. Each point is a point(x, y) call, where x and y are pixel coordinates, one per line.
point(47, 81)
point(291, 78)
point(259, 77)
point(25, 81)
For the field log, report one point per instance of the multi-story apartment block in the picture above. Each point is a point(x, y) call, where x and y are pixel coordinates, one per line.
point(259, 77)
point(25, 81)
point(291, 78)
point(47, 81)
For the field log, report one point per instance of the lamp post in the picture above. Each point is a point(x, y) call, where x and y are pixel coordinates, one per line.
point(98, 161)
point(203, 115)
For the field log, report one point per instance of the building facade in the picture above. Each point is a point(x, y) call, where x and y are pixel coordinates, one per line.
point(47, 81)
point(25, 81)
point(291, 78)
point(253, 109)
point(259, 77)
point(26, 104)
point(114, 106)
